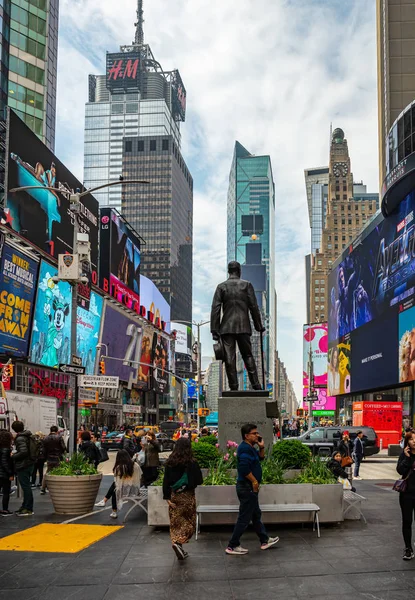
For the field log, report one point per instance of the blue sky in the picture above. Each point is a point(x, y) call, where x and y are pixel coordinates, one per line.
point(272, 74)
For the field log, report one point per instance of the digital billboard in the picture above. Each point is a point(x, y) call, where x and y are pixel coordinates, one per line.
point(123, 70)
point(160, 363)
point(178, 97)
point(50, 343)
point(339, 367)
point(315, 337)
point(87, 332)
point(119, 272)
point(42, 216)
point(146, 359)
point(156, 307)
point(183, 342)
point(17, 291)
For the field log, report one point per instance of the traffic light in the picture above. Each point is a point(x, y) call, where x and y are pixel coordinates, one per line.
point(11, 371)
point(8, 371)
point(102, 366)
point(203, 412)
point(300, 412)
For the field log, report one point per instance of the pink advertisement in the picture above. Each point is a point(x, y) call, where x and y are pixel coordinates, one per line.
point(315, 337)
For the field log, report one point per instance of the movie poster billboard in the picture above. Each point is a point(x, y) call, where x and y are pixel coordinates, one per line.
point(145, 368)
point(160, 353)
point(43, 216)
point(339, 367)
point(156, 307)
point(87, 332)
point(119, 259)
point(17, 291)
point(50, 343)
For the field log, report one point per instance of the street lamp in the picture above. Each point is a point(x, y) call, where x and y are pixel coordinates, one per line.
point(75, 202)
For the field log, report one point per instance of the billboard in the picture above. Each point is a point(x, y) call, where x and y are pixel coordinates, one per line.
point(156, 308)
point(119, 272)
point(87, 332)
point(17, 291)
point(160, 353)
point(339, 367)
point(315, 337)
point(146, 359)
point(42, 216)
point(50, 343)
point(123, 70)
point(184, 338)
point(178, 97)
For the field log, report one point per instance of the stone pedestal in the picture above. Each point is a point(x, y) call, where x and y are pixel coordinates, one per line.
point(235, 409)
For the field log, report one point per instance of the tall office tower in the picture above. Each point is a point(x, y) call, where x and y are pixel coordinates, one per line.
point(132, 129)
point(29, 54)
point(214, 386)
point(346, 210)
point(251, 241)
point(396, 68)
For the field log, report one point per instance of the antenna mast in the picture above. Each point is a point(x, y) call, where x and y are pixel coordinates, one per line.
point(139, 31)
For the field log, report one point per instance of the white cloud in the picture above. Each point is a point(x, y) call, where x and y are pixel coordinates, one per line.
point(272, 74)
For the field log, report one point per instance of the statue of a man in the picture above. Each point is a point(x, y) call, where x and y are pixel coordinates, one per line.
point(235, 299)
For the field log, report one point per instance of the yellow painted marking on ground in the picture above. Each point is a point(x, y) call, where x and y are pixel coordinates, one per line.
point(50, 537)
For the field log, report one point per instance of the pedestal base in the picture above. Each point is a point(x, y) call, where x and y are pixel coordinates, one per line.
point(235, 411)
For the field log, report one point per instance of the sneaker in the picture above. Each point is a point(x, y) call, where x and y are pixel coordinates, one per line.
point(13, 490)
point(408, 554)
point(33, 485)
point(6, 513)
point(358, 478)
point(238, 550)
point(114, 514)
point(178, 550)
point(24, 512)
point(271, 542)
point(42, 492)
point(101, 503)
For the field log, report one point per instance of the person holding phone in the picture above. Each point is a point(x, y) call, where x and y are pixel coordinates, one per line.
point(247, 487)
point(406, 468)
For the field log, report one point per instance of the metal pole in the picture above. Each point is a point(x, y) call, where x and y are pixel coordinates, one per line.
point(74, 312)
point(310, 387)
point(199, 373)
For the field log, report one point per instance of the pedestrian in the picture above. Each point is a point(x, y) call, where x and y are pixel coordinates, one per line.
point(23, 464)
point(152, 461)
point(88, 448)
point(95, 439)
point(358, 454)
point(127, 475)
point(345, 448)
point(335, 466)
point(6, 470)
point(54, 449)
point(128, 442)
point(40, 463)
point(406, 468)
point(182, 475)
point(247, 488)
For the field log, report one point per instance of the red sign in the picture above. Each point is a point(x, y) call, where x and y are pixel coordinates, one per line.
point(44, 386)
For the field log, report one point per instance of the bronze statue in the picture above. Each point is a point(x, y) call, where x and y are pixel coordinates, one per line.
point(235, 299)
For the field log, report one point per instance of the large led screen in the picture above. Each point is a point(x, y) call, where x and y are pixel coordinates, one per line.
point(87, 332)
point(160, 363)
point(315, 338)
point(339, 367)
point(17, 290)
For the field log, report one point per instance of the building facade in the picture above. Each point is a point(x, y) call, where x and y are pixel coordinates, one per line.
point(284, 390)
point(251, 241)
point(346, 209)
point(132, 131)
point(396, 66)
point(214, 384)
point(29, 54)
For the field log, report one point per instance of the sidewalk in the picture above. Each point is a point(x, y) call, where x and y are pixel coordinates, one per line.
point(136, 562)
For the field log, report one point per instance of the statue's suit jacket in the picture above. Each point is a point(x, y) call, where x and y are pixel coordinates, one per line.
point(235, 297)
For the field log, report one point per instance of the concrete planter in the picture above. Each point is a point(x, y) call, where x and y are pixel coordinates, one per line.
point(328, 497)
point(73, 495)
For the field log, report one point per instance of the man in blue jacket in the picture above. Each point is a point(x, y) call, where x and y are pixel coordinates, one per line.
point(358, 454)
point(247, 488)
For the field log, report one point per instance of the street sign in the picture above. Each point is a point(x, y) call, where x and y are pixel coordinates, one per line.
point(324, 413)
point(76, 360)
point(88, 396)
point(99, 381)
point(72, 369)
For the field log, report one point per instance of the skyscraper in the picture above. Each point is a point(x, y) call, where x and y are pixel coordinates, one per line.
point(396, 67)
point(132, 129)
point(29, 43)
point(251, 241)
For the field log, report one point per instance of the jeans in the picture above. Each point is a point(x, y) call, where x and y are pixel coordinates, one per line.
point(249, 510)
point(357, 461)
point(40, 463)
point(111, 494)
point(5, 485)
point(407, 504)
point(25, 479)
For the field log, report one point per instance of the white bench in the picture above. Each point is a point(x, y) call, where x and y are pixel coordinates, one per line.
point(351, 500)
point(135, 501)
point(234, 508)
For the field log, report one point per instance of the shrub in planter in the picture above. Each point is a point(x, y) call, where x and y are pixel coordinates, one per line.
point(77, 464)
point(316, 472)
point(272, 471)
point(219, 475)
point(205, 454)
point(208, 439)
point(291, 454)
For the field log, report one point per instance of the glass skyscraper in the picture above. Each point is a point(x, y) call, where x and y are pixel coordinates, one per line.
point(251, 241)
point(29, 52)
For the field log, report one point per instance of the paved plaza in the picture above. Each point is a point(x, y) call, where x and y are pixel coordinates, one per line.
point(136, 561)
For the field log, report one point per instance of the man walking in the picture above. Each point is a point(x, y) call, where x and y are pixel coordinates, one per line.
point(24, 464)
point(54, 449)
point(358, 453)
point(247, 488)
point(128, 442)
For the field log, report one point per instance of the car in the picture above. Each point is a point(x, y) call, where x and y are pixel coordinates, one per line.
point(139, 428)
point(165, 442)
point(323, 440)
point(113, 441)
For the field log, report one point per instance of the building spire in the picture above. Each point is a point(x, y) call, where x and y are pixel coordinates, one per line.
point(139, 31)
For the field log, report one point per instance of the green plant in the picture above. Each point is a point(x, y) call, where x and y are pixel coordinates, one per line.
point(316, 472)
point(205, 454)
point(208, 439)
point(219, 475)
point(77, 464)
point(159, 481)
point(272, 471)
point(291, 454)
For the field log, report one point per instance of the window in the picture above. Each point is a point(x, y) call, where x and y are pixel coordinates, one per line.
point(165, 145)
point(316, 435)
point(140, 145)
point(343, 221)
point(128, 146)
point(329, 246)
point(337, 197)
point(153, 145)
point(117, 109)
point(319, 262)
point(344, 196)
point(131, 107)
point(349, 221)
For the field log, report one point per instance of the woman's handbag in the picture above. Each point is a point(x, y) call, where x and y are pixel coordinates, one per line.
point(345, 482)
point(400, 485)
point(347, 461)
point(141, 458)
point(104, 455)
point(181, 484)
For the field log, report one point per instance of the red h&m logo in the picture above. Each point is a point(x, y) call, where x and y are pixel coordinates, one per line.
point(123, 69)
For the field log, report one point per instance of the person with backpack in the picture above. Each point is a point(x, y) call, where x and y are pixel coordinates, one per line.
point(25, 457)
point(6, 470)
point(54, 449)
point(40, 463)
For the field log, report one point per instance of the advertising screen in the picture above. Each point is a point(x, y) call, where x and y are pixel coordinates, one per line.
point(184, 338)
point(160, 363)
point(42, 216)
point(156, 306)
point(339, 367)
point(315, 337)
point(50, 343)
point(17, 291)
point(123, 70)
point(87, 332)
point(119, 259)
point(144, 371)
point(178, 97)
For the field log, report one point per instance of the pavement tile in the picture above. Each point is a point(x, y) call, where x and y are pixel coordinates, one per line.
point(327, 552)
point(86, 574)
point(263, 589)
point(196, 570)
point(136, 573)
point(145, 591)
point(29, 594)
point(373, 582)
point(355, 565)
point(76, 592)
point(8, 560)
point(219, 590)
point(329, 585)
point(35, 572)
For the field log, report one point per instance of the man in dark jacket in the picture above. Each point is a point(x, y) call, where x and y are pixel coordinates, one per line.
point(247, 488)
point(24, 465)
point(54, 449)
point(236, 299)
point(128, 442)
point(90, 450)
point(358, 454)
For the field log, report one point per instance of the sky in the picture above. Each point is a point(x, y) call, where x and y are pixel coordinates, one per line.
point(272, 74)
